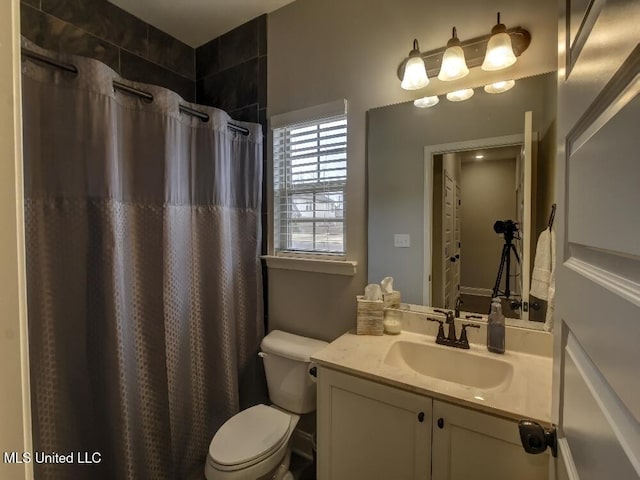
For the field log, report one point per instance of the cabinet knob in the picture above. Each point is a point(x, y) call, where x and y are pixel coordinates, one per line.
point(421, 417)
point(441, 422)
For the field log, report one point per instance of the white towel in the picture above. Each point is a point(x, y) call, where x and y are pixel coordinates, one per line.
point(543, 278)
point(542, 267)
point(551, 296)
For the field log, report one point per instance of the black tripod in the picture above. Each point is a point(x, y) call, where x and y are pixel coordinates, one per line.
point(505, 261)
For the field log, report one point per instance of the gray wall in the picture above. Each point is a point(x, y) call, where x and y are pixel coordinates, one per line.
point(323, 51)
point(396, 141)
point(488, 194)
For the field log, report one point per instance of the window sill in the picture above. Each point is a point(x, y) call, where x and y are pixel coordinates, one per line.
point(331, 267)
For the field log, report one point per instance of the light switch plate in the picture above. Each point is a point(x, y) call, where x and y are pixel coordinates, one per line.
point(402, 240)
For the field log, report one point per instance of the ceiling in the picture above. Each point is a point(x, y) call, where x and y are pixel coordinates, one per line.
point(197, 21)
point(488, 154)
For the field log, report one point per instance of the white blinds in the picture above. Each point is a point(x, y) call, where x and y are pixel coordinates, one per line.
point(310, 173)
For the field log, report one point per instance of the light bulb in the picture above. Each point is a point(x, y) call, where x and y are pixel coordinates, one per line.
point(499, 49)
point(460, 95)
point(415, 73)
point(500, 87)
point(454, 65)
point(426, 102)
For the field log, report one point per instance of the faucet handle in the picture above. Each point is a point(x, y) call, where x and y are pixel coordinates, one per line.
point(446, 313)
point(440, 327)
point(464, 341)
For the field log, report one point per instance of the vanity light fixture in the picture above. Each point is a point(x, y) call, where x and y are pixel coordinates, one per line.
point(454, 65)
point(499, 49)
point(415, 72)
point(460, 95)
point(500, 87)
point(426, 102)
point(479, 157)
point(487, 51)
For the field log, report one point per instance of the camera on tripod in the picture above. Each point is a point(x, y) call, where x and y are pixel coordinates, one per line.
point(507, 227)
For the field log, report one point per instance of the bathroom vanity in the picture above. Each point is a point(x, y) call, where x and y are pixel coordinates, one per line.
point(401, 407)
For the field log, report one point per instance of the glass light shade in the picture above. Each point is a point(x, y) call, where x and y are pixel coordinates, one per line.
point(426, 102)
point(499, 53)
point(500, 87)
point(454, 65)
point(460, 95)
point(415, 74)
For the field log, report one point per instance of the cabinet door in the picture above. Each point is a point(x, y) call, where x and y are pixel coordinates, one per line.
point(469, 444)
point(371, 431)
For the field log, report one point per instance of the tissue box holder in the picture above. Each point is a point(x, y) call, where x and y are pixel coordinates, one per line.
point(391, 300)
point(369, 316)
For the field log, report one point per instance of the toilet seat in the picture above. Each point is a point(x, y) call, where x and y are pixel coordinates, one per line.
point(249, 437)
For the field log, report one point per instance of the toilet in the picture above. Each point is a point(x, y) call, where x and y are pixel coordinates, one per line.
point(254, 444)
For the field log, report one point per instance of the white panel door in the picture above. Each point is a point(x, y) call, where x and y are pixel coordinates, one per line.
point(456, 265)
point(597, 318)
point(448, 250)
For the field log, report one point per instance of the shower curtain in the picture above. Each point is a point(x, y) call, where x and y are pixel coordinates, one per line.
point(144, 282)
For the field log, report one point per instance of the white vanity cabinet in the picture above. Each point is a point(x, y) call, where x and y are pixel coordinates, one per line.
point(470, 444)
point(371, 431)
point(367, 430)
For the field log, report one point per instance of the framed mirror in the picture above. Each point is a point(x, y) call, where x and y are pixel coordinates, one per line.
point(440, 178)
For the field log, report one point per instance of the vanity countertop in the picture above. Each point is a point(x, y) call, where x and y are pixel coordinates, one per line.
point(527, 394)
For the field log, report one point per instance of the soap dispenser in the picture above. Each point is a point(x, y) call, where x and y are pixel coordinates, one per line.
point(495, 328)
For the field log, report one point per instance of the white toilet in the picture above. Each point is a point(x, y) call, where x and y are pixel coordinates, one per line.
point(254, 444)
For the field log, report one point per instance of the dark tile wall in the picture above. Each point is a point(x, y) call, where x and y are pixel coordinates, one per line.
point(231, 71)
point(100, 30)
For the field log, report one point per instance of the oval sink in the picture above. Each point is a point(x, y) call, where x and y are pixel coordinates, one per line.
point(446, 363)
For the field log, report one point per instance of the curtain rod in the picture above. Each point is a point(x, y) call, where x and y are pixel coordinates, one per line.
point(67, 67)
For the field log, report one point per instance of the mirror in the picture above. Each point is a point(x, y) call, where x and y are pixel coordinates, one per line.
point(433, 203)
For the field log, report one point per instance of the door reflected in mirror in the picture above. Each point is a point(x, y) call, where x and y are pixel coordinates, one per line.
point(476, 192)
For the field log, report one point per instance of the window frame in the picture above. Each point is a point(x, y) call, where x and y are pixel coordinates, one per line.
point(325, 113)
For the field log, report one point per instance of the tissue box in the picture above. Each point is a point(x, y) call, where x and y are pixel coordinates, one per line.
point(391, 300)
point(369, 316)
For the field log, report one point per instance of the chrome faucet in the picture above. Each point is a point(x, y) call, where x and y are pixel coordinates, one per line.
point(451, 340)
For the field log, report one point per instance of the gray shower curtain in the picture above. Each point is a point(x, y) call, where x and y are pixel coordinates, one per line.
point(144, 282)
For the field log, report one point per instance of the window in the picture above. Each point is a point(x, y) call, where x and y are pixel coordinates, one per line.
point(310, 174)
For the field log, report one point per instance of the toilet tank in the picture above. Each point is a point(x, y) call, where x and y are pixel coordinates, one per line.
point(286, 365)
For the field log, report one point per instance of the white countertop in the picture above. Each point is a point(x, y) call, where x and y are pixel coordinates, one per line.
point(526, 395)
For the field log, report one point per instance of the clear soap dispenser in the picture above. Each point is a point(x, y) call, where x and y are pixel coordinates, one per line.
point(495, 328)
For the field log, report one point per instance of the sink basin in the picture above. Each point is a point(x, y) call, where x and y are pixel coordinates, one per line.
point(446, 363)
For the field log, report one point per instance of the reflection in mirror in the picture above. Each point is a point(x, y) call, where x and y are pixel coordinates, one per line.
point(444, 176)
point(472, 190)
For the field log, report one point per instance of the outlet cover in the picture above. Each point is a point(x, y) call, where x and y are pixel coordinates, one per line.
point(402, 240)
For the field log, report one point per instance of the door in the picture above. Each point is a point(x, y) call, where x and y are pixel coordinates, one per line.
point(525, 214)
point(450, 250)
point(371, 431)
point(457, 259)
point(15, 407)
point(473, 445)
point(596, 388)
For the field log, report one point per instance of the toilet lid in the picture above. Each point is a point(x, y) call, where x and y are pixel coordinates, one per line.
point(250, 434)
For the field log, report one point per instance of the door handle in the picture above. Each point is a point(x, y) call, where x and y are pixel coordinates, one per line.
point(536, 439)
